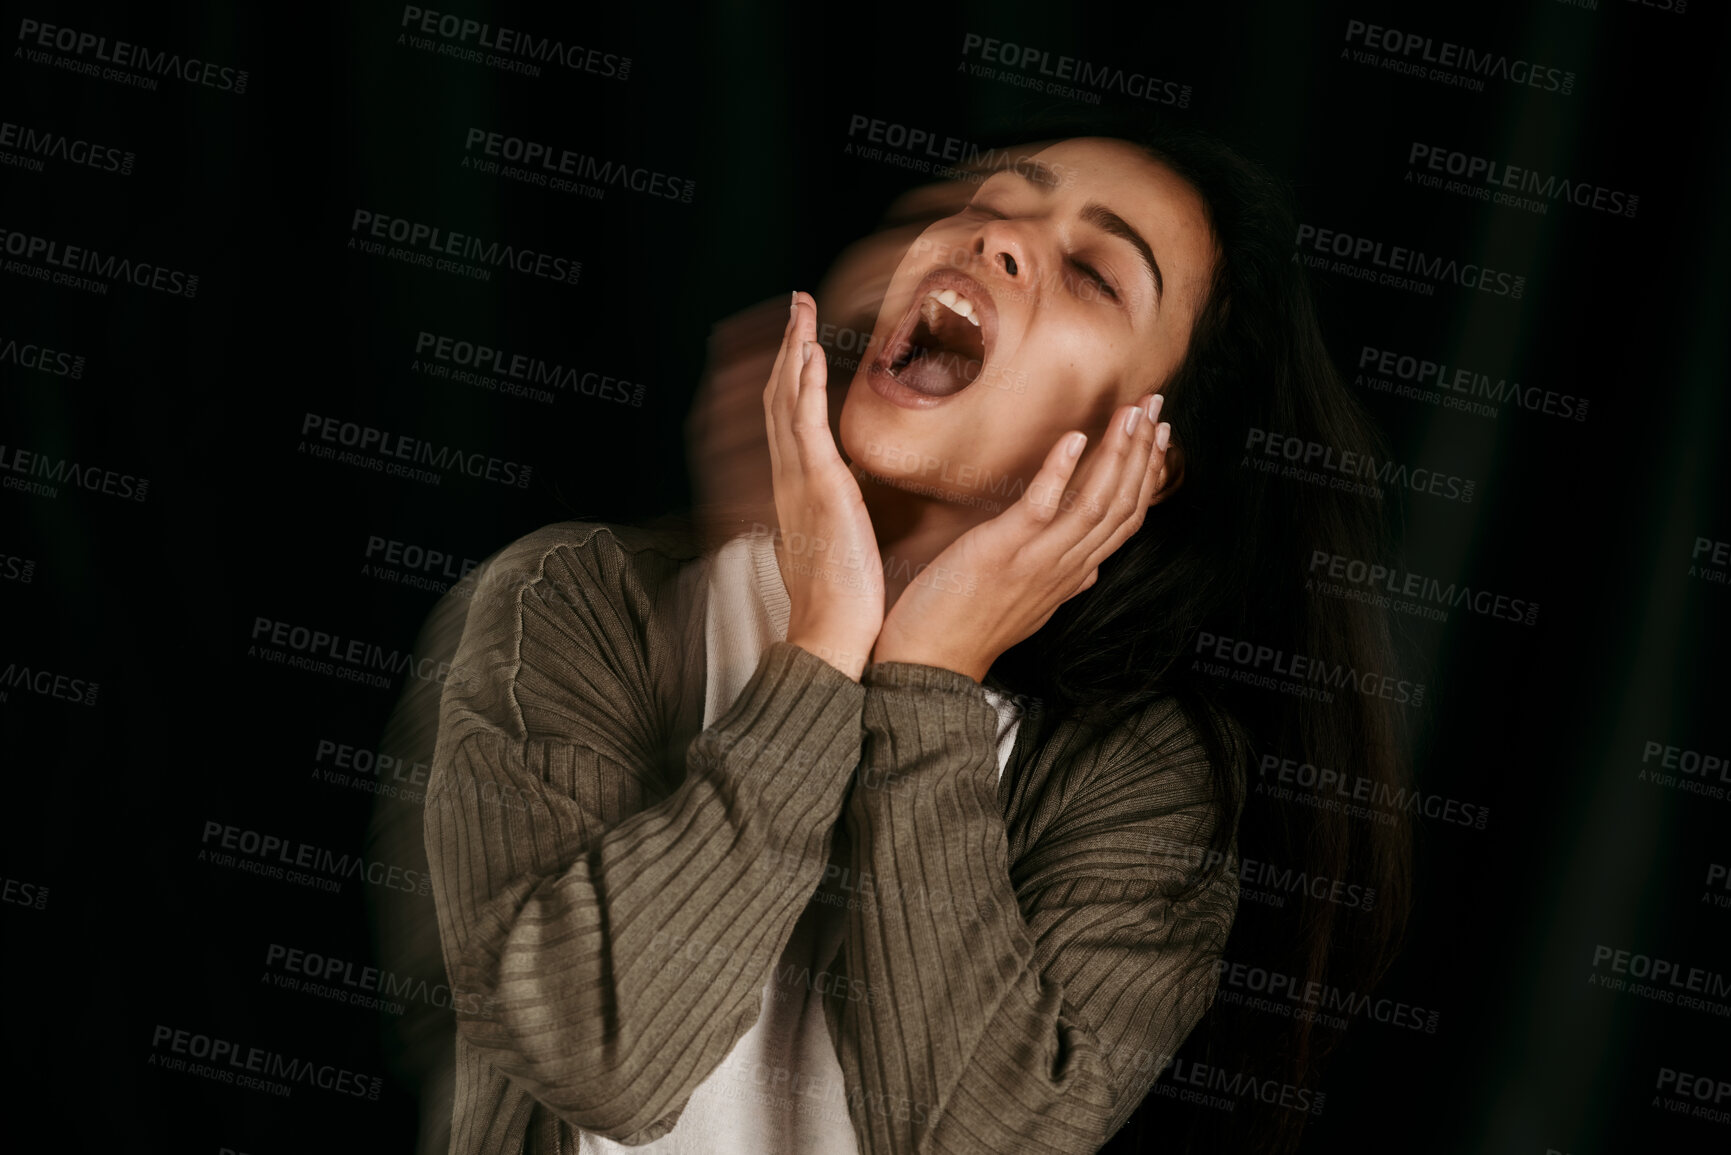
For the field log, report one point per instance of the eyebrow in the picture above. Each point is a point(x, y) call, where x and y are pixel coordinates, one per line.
point(1101, 217)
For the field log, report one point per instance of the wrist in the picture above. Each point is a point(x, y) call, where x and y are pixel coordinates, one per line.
point(848, 655)
point(891, 649)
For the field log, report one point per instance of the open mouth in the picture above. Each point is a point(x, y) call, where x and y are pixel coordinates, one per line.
point(941, 348)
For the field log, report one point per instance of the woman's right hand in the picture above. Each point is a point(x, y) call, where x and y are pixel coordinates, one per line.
point(827, 549)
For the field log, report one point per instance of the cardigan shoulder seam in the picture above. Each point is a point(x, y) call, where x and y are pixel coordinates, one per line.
point(501, 583)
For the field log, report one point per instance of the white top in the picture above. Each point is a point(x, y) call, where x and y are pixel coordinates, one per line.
point(780, 1090)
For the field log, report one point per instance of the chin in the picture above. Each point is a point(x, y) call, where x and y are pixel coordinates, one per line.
point(886, 450)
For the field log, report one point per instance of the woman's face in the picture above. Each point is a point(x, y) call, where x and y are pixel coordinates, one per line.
point(1076, 281)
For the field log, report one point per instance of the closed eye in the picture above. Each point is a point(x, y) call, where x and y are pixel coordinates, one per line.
point(1093, 275)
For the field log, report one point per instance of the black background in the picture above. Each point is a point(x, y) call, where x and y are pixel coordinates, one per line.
point(1545, 725)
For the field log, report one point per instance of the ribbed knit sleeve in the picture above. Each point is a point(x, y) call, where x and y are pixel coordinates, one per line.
point(1028, 1011)
point(607, 929)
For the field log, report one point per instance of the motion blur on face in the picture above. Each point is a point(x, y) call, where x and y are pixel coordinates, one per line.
point(1066, 288)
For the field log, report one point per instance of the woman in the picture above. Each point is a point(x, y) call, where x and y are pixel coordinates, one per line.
point(912, 827)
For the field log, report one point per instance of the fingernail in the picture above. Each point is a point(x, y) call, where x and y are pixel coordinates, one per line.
point(1163, 435)
point(1131, 418)
point(793, 302)
point(1073, 444)
point(804, 352)
point(1155, 404)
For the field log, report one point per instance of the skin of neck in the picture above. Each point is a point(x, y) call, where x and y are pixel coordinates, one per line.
point(912, 529)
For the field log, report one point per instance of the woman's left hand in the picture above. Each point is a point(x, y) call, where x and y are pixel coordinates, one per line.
point(1001, 580)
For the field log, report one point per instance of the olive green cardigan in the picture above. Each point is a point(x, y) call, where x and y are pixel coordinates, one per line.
point(1028, 974)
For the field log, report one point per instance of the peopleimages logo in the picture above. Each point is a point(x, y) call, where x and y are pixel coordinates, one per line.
point(1661, 980)
point(550, 165)
point(437, 567)
point(17, 892)
point(126, 61)
point(1691, 771)
point(1267, 882)
point(1702, 1089)
point(1414, 54)
point(1270, 667)
point(367, 228)
point(20, 466)
point(1304, 459)
point(25, 147)
point(255, 1068)
point(289, 643)
point(30, 355)
point(346, 760)
point(368, 987)
point(1455, 387)
point(1302, 781)
point(268, 855)
point(17, 569)
point(1241, 1085)
point(48, 684)
point(1033, 63)
point(44, 259)
point(398, 454)
point(1401, 267)
point(1510, 185)
point(1435, 598)
point(506, 49)
point(513, 373)
point(1718, 558)
point(1262, 989)
point(931, 151)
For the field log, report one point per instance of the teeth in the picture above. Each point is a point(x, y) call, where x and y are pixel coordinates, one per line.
point(957, 304)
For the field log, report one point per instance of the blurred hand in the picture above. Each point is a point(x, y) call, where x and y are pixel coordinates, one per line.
point(826, 549)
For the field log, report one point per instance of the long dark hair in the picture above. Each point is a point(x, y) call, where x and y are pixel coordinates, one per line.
point(1227, 555)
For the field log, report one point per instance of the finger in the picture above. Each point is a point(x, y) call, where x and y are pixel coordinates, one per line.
point(782, 403)
point(811, 428)
point(1135, 512)
point(1155, 487)
point(781, 352)
point(802, 330)
point(1157, 410)
point(1122, 516)
point(772, 387)
point(1159, 434)
point(1044, 496)
point(1152, 476)
point(1157, 464)
point(1125, 512)
point(1090, 517)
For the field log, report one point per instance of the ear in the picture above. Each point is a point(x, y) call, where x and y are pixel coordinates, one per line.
point(1171, 474)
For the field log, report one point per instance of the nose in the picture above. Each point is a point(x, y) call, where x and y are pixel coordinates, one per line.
point(1000, 245)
